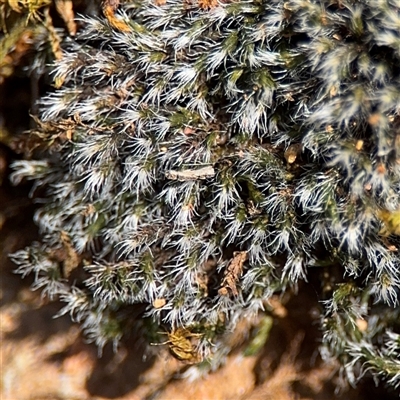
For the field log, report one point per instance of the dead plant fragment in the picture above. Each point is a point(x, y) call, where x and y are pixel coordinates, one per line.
point(13, 46)
point(24, 23)
point(233, 273)
point(66, 12)
point(207, 4)
point(181, 347)
point(66, 255)
point(109, 8)
point(293, 152)
point(30, 8)
point(54, 37)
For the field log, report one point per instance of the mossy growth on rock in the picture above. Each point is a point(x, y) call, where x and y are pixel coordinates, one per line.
point(197, 158)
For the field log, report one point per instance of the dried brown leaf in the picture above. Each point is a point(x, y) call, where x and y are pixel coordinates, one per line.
point(181, 347)
point(66, 255)
point(207, 4)
point(66, 11)
point(109, 7)
point(233, 273)
point(54, 38)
